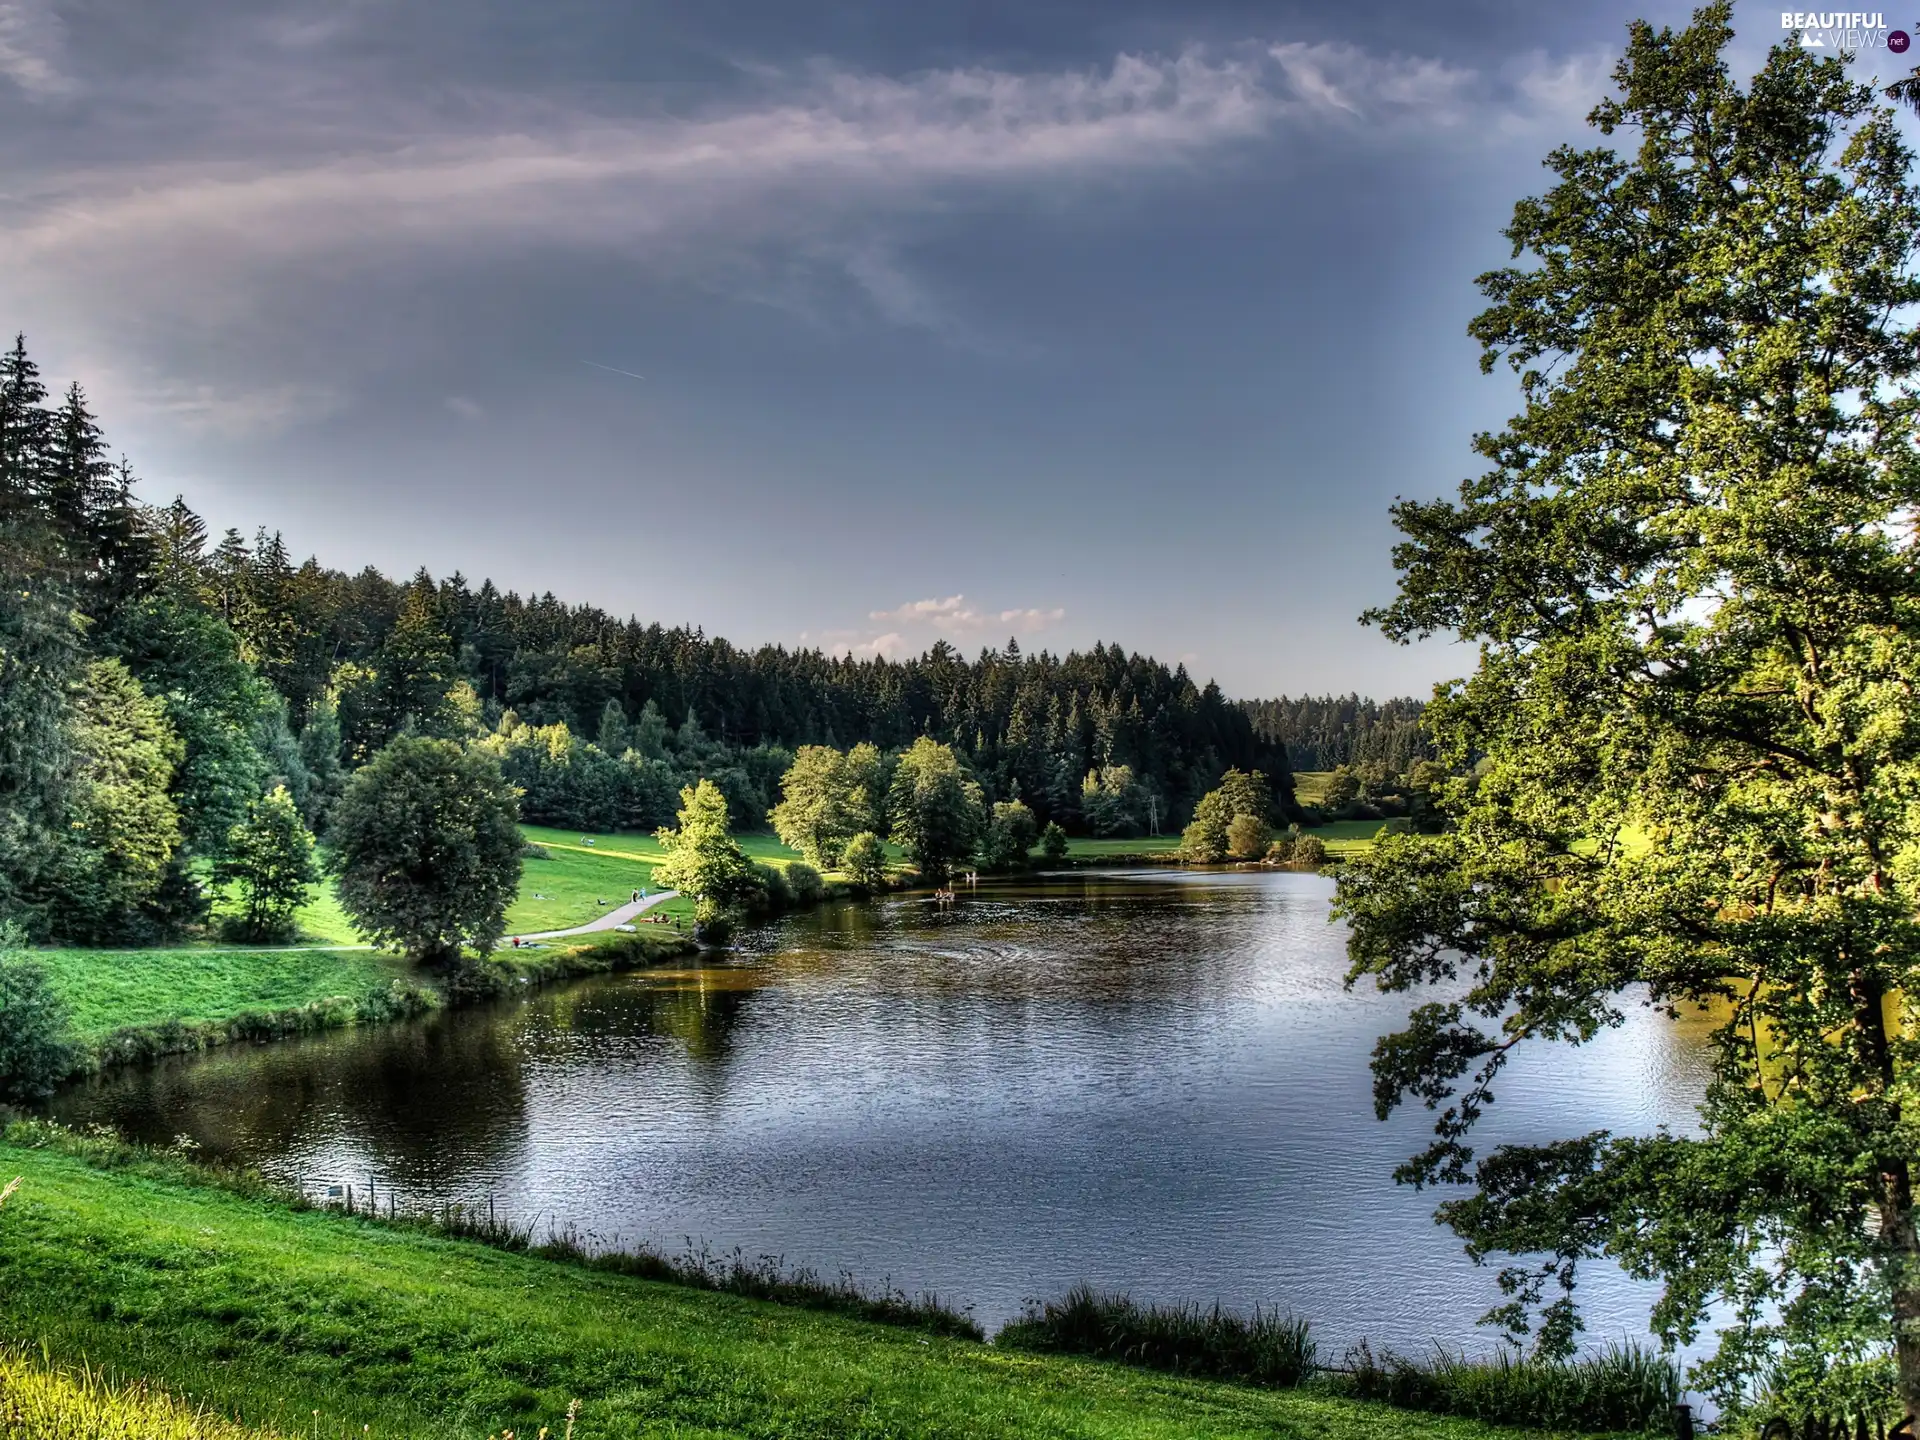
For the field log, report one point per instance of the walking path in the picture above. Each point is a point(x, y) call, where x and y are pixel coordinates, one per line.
point(612, 920)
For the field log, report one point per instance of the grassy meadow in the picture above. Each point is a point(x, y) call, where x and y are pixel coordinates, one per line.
point(314, 1324)
point(106, 990)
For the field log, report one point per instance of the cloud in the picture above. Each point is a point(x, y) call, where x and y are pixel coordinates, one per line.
point(30, 44)
point(809, 144)
point(911, 628)
point(466, 409)
point(324, 182)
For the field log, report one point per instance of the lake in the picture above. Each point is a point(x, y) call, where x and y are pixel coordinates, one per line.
point(1153, 1081)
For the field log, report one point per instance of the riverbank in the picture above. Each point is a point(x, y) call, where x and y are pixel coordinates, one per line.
point(135, 1005)
point(314, 1323)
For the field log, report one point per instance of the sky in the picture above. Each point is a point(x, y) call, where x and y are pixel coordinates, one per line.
point(849, 325)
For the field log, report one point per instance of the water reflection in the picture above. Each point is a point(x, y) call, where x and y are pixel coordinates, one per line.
point(1149, 1081)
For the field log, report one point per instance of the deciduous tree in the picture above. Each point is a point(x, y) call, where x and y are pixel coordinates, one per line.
point(270, 858)
point(426, 844)
point(1690, 569)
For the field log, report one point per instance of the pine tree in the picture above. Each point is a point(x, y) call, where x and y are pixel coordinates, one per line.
point(25, 429)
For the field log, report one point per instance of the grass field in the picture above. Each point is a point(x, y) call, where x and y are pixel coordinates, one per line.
point(269, 1315)
point(106, 990)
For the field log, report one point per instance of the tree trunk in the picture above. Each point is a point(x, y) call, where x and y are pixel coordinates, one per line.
point(1897, 1234)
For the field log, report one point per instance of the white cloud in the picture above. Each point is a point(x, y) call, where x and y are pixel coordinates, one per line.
point(466, 409)
point(30, 44)
point(913, 626)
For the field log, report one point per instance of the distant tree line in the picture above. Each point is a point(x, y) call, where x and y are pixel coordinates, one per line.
point(1326, 731)
point(182, 714)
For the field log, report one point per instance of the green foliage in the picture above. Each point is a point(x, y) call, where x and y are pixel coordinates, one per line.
point(122, 827)
point(1623, 1389)
point(269, 855)
point(1248, 837)
point(1053, 843)
point(1689, 574)
point(824, 804)
point(1010, 837)
point(1309, 852)
point(40, 656)
point(703, 860)
point(192, 660)
point(1268, 1349)
point(426, 849)
point(937, 810)
point(1112, 803)
point(1207, 840)
point(865, 861)
point(804, 883)
point(35, 1054)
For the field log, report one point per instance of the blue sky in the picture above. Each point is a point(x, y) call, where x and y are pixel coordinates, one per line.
point(1072, 320)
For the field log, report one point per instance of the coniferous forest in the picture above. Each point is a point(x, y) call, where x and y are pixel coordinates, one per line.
point(156, 680)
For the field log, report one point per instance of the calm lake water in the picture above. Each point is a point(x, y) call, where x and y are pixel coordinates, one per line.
point(1151, 1081)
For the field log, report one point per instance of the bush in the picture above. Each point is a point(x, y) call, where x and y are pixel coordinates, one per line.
point(1248, 837)
point(804, 883)
point(35, 1054)
point(1269, 1349)
point(1053, 843)
point(865, 861)
point(772, 883)
point(1309, 851)
point(1280, 852)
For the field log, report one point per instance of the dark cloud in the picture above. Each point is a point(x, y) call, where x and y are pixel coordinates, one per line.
point(1125, 318)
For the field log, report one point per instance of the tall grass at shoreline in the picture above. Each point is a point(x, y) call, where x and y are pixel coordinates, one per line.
point(1624, 1388)
point(767, 1277)
point(1269, 1349)
point(1621, 1388)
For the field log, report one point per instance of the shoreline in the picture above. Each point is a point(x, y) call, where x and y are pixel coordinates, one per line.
point(405, 997)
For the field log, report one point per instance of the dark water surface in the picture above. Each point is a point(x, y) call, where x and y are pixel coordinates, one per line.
point(1151, 1081)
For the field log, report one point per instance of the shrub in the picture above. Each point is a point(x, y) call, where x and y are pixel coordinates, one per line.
point(865, 861)
point(1309, 852)
point(35, 1054)
point(771, 881)
point(1248, 837)
point(1053, 843)
point(1268, 1349)
point(1280, 852)
point(804, 883)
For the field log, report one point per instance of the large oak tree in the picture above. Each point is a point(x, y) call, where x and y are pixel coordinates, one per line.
point(1692, 573)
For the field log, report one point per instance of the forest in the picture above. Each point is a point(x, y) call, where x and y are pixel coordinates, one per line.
point(157, 682)
point(1328, 731)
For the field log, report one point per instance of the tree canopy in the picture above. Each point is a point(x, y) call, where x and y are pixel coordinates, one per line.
point(427, 848)
point(1690, 571)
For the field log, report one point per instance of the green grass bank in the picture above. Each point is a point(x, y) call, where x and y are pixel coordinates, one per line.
point(266, 1313)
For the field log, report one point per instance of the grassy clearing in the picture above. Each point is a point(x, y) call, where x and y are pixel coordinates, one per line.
point(108, 990)
point(268, 1313)
point(1347, 837)
point(1083, 848)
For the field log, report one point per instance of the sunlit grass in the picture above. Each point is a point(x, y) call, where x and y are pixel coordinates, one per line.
point(106, 990)
point(269, 1313)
